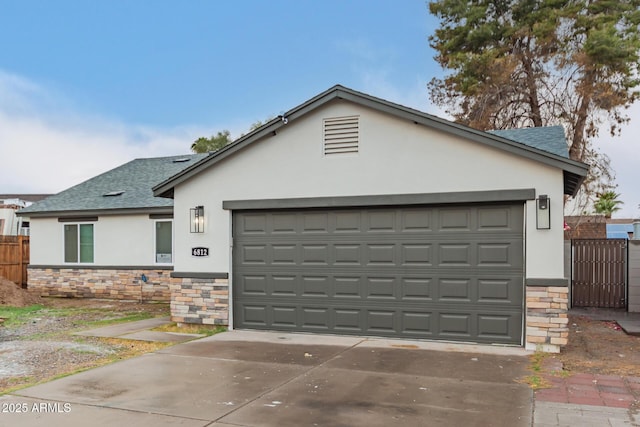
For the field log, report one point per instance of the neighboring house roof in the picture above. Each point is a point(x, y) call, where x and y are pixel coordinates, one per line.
point(574, 172)
point(548, 138)
point(125, 188)
point(619, 231)
point(25, 197)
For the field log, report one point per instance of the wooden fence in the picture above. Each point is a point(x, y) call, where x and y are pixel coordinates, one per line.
point(14, 258)
point(599, 276)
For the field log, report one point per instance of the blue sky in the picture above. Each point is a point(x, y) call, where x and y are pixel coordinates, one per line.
point(88, 85)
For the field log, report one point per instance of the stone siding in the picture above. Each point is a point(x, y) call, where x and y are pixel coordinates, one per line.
point(200, 301)
point(118, 284)
point(547, 320)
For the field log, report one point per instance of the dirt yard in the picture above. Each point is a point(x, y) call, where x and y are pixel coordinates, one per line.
point(36, 341)
point(600, 347)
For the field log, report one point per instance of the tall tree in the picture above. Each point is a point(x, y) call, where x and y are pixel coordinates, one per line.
point(215, 142)
point(608, 203)
point(522, 63)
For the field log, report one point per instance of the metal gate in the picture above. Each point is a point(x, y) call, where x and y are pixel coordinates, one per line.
point(599, 275)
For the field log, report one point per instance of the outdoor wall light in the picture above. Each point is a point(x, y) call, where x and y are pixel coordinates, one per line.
point(197, 219)
point(543, 212)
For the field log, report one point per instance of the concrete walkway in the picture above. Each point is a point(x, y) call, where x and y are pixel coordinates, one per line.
point(141, 331)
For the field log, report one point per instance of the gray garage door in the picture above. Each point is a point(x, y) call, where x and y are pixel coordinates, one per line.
point(446, 272)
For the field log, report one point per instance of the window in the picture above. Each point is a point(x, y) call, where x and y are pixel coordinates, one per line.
point(164, 242)
point(78, 243)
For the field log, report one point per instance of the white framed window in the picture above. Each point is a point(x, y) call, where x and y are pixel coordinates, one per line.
point(164, 241)
point(78, 243)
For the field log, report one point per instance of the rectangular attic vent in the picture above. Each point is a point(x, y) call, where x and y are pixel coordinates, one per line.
point(341, 135)
point(113, 193)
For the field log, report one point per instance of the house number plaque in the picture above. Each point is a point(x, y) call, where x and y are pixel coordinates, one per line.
point(199, 251)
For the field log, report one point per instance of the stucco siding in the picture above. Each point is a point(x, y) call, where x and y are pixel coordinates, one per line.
point(119, 240)
point(395, 157)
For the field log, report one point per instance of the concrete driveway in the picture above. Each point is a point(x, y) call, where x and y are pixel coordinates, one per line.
point(245, 378)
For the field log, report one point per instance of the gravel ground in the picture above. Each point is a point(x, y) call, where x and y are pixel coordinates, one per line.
point(44, 348)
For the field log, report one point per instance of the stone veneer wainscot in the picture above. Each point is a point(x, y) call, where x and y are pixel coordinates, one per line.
point(101, 282)
point(203, 301)
point(547, 320)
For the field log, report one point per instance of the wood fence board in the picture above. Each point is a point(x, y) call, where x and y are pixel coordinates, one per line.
point(14, 258)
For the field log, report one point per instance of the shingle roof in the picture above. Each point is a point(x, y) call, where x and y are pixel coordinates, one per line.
point(548, 138)
point(134, 179)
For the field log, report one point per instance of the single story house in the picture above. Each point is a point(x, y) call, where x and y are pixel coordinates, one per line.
point(348, 214)
point(107, 237)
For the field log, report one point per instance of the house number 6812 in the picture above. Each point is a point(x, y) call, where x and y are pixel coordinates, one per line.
point(199, 251)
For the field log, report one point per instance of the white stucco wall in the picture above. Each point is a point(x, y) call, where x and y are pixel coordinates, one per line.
point(119, 240)
point(395, 157)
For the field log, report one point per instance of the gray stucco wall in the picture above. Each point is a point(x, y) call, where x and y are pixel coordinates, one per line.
point(634, 276)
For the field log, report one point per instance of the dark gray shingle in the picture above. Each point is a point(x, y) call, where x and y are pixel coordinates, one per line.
point(548, 138)
point(134, 179)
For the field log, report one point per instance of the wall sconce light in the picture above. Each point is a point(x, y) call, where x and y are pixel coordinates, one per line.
point(543, 212)
point(197, 219)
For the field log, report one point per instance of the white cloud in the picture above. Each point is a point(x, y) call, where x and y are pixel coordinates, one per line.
point(624, 152)
point(46, 146)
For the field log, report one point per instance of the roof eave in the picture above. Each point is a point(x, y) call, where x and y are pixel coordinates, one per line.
point(94, 212)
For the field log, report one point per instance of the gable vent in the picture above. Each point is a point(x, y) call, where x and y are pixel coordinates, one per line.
point(341, 135)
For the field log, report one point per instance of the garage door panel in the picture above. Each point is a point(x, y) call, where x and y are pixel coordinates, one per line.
point(254, 316)
point(315, 223)
point(456, 325)
point(316, 286)
point(378, 288)
point(491, 219)
point(254, 254)
point(455, 290)
point(252, 284)
point(455, 220)
point(416, 324)
point(455, 254)
point(381, 321)
point(253, 224)
point(417, 220)
point(284, 254)
point(283, 224)
point(280, 285)
point(499, 291)
point(417, 254)
point(314, 318)
point(347, 254)
point(417, 289)
point(347, 222)
point(284, 317)
point(381, 254)
point(315, 254)
point(452, 273)
point(347, 287)
point(381, 221)
point(347, 320)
